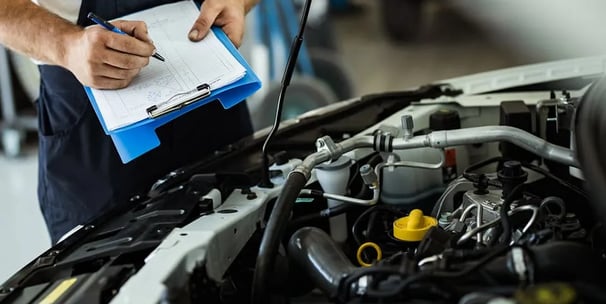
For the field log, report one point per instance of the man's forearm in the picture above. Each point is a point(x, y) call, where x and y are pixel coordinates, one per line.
point(31, 30)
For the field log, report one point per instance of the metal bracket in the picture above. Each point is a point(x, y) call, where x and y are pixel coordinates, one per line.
point(326, 143)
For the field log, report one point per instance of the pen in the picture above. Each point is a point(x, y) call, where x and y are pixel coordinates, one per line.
point(100, 21)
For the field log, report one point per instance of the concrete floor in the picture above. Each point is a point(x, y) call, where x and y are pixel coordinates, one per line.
point(448, 46)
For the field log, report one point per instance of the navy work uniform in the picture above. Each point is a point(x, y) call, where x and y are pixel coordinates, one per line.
point(80, 172)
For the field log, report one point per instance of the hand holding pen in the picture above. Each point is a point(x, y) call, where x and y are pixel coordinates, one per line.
point(101, 59)
point(108, 26)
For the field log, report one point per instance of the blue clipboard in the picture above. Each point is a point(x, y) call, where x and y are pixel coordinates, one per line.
point(139, 138)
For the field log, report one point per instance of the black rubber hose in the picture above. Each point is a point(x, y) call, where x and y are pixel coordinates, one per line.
point(483, 163)
point(559, 261)
point(590, 132)
point(505, 223)
point(273, 234)
point(321, 258)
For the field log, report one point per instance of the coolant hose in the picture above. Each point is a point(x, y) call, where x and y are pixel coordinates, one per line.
point(272, 236)
point(320, 258)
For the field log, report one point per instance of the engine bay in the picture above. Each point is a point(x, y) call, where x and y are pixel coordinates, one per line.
point(429, 195)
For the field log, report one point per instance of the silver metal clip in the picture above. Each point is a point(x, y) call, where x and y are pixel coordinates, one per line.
point(167, 106)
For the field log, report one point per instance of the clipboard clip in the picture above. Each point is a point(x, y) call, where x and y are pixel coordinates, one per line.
point(166, 107)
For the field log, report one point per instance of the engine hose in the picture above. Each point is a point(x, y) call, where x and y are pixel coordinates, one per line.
point(505, 223)
point(554, 261)
point(270, 242)
point(589, 132)
point(321, 259)
point(329, 269)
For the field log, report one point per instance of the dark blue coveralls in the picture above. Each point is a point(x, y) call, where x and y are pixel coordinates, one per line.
point(80, 172)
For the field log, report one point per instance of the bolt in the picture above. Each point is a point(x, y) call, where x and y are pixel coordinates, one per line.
point(407, 125)
point(407, 122)
point(365, 169)
point(251, 196)
point(368, 175)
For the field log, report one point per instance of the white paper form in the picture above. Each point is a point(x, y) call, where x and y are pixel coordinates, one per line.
point(188, 64)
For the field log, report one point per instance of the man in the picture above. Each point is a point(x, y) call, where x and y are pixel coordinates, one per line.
point(80, 172)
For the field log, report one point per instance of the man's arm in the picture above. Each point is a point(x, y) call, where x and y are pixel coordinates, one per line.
point(228, 14)
point(97, 57)
point(24, 26)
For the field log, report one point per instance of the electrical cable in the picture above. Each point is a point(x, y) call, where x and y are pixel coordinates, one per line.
point(348, 282)
point(384, 272)
point(371, 224)
point(437, 275)
point(480, 164)
point(504, 211)
point(560, 181)
point(358, 221)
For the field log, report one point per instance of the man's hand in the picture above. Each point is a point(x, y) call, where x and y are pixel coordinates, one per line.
point(228, 14)
point(103, 59)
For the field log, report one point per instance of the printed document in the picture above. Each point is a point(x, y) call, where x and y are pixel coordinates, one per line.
point(188, 65)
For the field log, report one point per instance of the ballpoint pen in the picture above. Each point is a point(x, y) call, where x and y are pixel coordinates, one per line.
point(100, 21)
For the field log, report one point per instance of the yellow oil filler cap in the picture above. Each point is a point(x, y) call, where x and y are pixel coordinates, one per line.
point(412, 228)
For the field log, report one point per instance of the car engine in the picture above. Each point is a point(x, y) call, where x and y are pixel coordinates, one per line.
point(438, 194)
